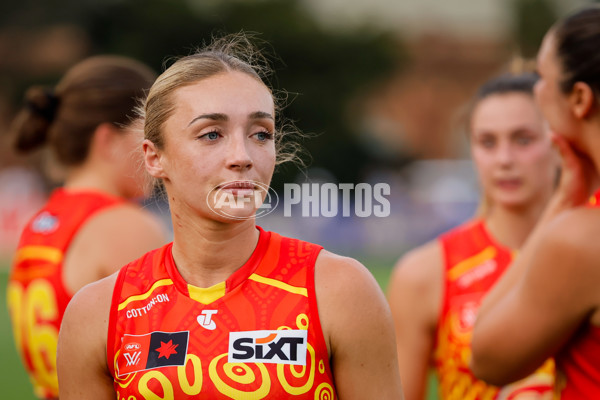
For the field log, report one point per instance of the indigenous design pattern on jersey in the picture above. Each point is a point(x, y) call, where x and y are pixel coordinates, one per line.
point(473, 262)
point(36, 294)
point(257, 335)
point(577, 363)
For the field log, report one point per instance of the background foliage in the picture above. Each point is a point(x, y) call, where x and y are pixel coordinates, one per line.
point(322, 70)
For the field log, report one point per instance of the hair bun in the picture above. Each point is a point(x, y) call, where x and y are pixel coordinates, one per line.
point(42, 101)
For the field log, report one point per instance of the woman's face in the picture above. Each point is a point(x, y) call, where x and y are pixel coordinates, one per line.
point(548, 94)
point(218, 148)
point(512, 151)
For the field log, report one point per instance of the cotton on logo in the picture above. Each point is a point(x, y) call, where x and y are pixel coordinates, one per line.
point(132, 359)
point(275, 347)
point(205, 319)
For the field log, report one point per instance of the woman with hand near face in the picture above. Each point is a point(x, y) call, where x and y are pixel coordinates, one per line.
point(435, 290)
point(227, 310)
point(548, 303)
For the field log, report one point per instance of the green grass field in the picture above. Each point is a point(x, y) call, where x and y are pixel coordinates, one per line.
point(13, 379)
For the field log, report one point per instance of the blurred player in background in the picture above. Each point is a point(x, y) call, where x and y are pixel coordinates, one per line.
point(89, 227)
point(435, 290)
point(548, 302)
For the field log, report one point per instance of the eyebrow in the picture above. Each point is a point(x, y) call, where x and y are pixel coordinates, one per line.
point(224, 117)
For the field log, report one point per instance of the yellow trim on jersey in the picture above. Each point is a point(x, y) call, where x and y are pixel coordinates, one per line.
point(46, 253)
point(281, 285)
point(465, 265)
point(162, 282)
point(207, 295)
point(593, 201)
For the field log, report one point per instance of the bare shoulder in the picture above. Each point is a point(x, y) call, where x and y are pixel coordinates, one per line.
point(358, 329)
point(81, 351)
point(126, 220)
point(576, 227)
point(90, 307)
point(570, 247)
point(347, 294)
point(419, 269)
point(339, 277)
point(126, 229)
point(85, 324)
point(416, 287)
point(330, 265)
point(573, 236)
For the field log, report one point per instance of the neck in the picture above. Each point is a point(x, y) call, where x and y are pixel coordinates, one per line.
point(593, 146)
point(208, 252)
point(83, 178)
point(511, 226)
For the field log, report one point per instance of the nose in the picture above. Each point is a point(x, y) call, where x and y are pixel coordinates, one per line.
point(504, 154)
point(238, 157)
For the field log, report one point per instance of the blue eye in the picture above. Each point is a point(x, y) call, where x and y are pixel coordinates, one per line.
point(264, 136)
point(214, 135)
point(524, 140)
point(487, 142)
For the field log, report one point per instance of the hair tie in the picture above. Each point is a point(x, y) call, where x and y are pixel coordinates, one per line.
point(48, 110)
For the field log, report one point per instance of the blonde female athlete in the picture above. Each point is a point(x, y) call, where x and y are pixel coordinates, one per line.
point(436, 289)
point(228, 310)
point(88, 228)
point(548, 303)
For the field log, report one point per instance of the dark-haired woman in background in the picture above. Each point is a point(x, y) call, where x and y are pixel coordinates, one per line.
point(548, 303)
point(88, 228)
point(436, 289)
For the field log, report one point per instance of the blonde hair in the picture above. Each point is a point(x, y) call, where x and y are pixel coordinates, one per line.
point(234, 52)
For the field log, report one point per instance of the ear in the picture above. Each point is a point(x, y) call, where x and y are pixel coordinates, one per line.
point(153, 159)
point(581, 99)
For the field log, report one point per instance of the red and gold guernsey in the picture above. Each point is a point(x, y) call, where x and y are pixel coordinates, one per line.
point(578, 363)
point(36, 294)
point(257, 335)
point(473, 262)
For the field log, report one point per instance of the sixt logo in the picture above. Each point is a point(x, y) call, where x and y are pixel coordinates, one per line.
point(275, 347)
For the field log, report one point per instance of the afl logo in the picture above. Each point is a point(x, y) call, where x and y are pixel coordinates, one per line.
point(229, 198)
point(133, 346)
point(44, 223)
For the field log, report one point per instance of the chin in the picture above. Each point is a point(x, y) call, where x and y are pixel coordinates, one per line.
point(512, 200)
point(229, 215)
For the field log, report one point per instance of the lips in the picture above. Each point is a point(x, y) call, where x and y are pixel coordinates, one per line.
point(238, 188)
point(509, 184)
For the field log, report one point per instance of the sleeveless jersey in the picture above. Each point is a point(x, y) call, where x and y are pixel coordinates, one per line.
point(257, 335)
point(36, 294)
point(473, 262)
point(578, 363)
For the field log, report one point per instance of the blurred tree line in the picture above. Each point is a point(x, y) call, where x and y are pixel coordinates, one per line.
point(323, 70)
point(532, 19)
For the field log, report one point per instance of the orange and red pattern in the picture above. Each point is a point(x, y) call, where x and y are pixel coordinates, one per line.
point(473, 262)
point(257, 335)
point(578, 363)
point(36, 294)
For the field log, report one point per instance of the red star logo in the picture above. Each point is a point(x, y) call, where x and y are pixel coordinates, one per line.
point(166, 349)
